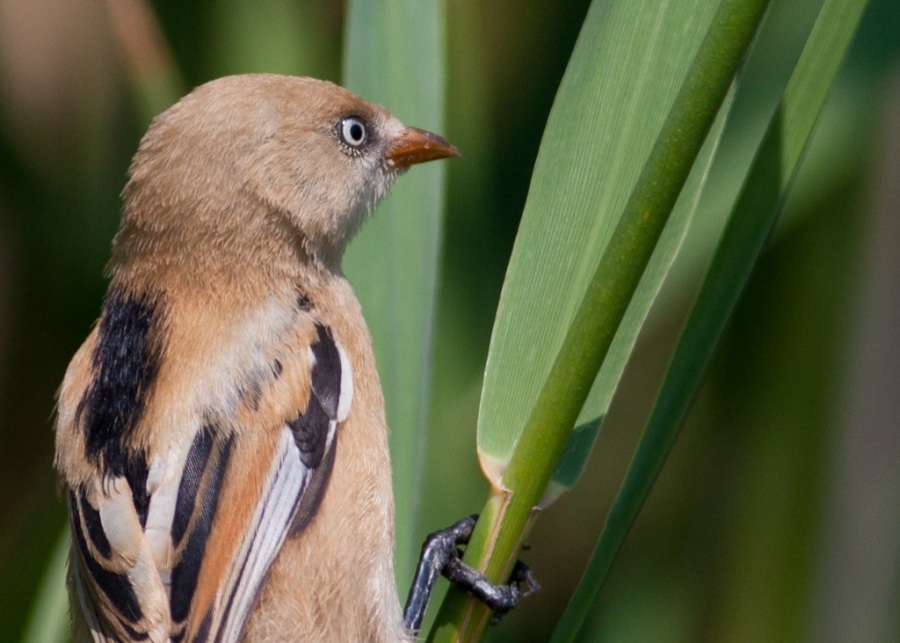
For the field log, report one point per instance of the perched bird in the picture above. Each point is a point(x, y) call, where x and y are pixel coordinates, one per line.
point(221, 432)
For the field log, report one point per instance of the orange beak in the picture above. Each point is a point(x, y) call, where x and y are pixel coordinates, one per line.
point(418, 146)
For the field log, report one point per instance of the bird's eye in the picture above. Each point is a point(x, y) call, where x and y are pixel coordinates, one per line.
point(352, 131)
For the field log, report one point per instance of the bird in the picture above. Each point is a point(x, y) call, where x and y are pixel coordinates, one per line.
point(220, 434)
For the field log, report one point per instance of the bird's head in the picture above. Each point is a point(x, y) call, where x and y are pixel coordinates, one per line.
point(243, 158)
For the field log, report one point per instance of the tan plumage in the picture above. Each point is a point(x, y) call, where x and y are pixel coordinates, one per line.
point(221, 432)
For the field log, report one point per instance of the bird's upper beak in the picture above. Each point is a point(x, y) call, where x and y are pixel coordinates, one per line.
point(417, 146)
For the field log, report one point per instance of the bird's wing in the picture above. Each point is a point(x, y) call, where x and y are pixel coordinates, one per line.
point(179, 548)
point(224, 573)
point(118, 593)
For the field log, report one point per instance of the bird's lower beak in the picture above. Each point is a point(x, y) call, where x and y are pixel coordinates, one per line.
point(418, 146)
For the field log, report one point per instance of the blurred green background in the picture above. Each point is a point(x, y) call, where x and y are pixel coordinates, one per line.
point(778, 515)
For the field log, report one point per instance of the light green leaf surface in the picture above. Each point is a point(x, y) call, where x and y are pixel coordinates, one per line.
point(590, 420)
point(621, 82)
point(520, 460)
point(750, 224)
point(394, 53)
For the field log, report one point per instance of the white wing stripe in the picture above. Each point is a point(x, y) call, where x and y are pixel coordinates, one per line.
point(345, 398)
point(264, 536)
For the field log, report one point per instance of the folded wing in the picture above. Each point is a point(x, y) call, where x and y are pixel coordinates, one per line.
point(189, 565)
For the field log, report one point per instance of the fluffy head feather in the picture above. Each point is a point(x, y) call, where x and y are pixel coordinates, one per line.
point(247, 161)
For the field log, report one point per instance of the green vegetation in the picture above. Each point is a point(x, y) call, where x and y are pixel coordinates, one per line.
point(589, 131)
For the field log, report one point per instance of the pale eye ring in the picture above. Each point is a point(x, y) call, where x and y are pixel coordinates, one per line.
point(353, 131)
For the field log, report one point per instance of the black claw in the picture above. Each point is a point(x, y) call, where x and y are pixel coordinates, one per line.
point(441, 556)
point(524, 577)
point(522, 584)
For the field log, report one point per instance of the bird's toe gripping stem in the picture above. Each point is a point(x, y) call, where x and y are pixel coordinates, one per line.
point(441, 556)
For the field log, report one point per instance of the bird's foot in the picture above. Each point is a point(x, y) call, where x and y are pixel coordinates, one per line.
point(441, 556)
